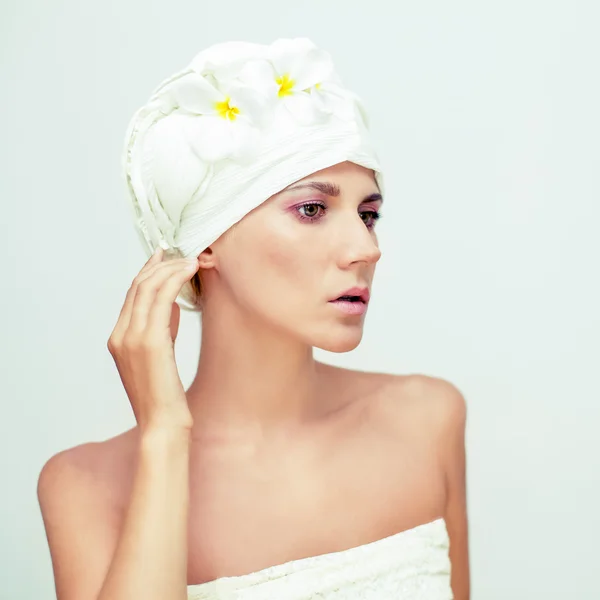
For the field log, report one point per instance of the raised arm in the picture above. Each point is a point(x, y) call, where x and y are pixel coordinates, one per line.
point(145, 555)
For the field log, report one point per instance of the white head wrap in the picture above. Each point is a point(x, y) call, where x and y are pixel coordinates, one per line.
point(239, 124)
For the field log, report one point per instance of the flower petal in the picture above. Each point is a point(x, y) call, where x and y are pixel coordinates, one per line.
point(195, 95)
point(316, 66)
point(330, 99)
point(226, 58)
point(252, 105)
point(287, 54)
point(359, 108)
point(260, 76)
point(303, 108)
point(323, 101)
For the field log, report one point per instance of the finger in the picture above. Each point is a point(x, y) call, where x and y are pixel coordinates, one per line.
point(125, 312)
point(160, 315)
point(149, 288)
point(156, 256)
point(152, 269)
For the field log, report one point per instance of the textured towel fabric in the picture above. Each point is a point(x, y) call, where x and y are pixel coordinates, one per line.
point(239, 124)
point(410, 565)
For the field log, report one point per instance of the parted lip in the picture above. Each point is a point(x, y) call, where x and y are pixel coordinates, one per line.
point(361, 292)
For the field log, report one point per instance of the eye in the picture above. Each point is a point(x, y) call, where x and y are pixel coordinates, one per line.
point(372, 217)
point(310, 210)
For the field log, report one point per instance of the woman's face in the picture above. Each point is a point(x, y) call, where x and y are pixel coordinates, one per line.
point(285, 261)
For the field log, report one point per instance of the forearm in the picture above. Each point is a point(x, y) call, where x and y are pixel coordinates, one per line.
point(150, 560)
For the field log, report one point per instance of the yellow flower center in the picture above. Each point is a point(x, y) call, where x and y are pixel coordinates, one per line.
point(316, 86)
point(225, 110)
point(285, 84)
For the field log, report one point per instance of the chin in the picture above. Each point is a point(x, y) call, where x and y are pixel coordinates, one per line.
point(340, 343)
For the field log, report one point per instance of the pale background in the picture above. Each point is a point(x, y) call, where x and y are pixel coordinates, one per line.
point(486, 118)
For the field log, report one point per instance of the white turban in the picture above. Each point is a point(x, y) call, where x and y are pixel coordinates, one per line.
point(239, 124)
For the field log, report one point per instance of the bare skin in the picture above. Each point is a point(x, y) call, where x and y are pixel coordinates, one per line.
point(269, 455)
point(374, 467)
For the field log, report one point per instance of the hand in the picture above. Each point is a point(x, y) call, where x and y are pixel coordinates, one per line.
point(142, 343)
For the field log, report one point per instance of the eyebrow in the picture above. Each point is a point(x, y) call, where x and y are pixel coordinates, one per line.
point(330, 189)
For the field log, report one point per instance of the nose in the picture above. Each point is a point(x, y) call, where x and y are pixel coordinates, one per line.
point(357, 243)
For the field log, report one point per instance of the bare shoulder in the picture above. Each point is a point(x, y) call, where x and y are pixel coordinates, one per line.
point(85, 476)
point(434, 410)
point(67, 470)
point(66, 477)
point(429, 412)
point(80, 498)
point(446, 408)
point(428, 403)
point(94, 466)
point(435, 402)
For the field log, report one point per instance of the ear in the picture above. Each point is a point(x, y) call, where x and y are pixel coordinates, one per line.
point(207, 259)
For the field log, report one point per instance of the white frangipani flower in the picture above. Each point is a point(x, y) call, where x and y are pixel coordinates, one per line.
point(299, 76)
point(228, 111)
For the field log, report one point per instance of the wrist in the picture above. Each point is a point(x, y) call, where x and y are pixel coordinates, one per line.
point(160, 434)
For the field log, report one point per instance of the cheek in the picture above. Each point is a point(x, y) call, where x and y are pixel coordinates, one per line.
point(290, 266)
point(278, 264)
point(263, 268)
point(285, 264)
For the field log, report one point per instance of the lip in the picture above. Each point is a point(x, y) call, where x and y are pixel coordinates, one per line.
point(361, 292)
point(349, 307)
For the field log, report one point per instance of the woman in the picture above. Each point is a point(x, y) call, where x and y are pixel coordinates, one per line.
point(274, 475)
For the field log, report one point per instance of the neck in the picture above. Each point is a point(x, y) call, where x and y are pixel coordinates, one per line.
point(252, 382)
